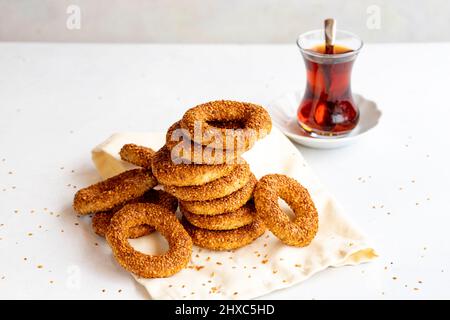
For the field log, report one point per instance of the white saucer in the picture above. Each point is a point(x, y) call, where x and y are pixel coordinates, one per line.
point(284, 115)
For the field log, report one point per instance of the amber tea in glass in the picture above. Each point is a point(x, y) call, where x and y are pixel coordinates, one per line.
point(327, 108)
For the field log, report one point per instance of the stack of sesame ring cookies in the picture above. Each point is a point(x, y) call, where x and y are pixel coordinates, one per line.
point(223, 205)
point(201, 165)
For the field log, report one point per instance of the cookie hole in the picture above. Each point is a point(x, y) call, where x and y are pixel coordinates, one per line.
point(286, 209)
point(231, 124)
point(152, 244)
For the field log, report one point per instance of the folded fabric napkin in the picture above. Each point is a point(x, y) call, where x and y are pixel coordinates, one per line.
point(265, 265)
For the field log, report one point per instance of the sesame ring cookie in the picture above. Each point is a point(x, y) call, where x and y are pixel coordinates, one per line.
point(302, 229)
point(169, 173)
point(218, 188)
point(101, 220)
point(225, 221)
point(107, 194)
point(138, 155)
point(181, 146)
point(248, 122)
point(220, 240)
point(226, 204)
point(166, 223)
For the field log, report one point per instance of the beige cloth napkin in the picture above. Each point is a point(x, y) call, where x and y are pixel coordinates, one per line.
point(266, 264)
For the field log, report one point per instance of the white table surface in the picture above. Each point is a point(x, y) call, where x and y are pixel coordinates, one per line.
point(57, 101)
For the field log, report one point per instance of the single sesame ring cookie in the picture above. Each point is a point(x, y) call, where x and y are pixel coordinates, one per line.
point(225, 221)
point(181, 146)
point(138, 155)
point(225, 239)
point(107, 194)
point(218, 188)
point(101, 220)
point(302, 230)
point(170, 173)
point(226, 204)
point(166, 223)
point(248, 122)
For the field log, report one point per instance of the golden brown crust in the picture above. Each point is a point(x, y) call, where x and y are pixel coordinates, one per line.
point(226, 204)
point(255, 123)
point(165, 222)
point(101, 220)
point(218, 188)
point(138, 155)
point(169, 173)
point(225, 239)
point(181, 146)
point(225, 221)
point(107, 194)
point(302, 230)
